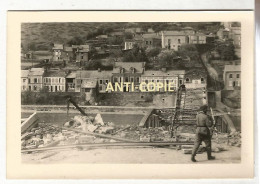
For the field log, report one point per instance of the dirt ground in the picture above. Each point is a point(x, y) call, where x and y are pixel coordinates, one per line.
point(129, 155)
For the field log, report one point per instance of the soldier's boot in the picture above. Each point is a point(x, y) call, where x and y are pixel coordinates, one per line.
point(193, 158)
point(210, 157)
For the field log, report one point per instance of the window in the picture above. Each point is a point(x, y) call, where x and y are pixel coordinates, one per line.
point(180, 81)
point(146, 81)
point(87, 89)
point(100, 88)
point(230, 76)
point(115, 79)
point(35, 80)
point(146, 42)
point(187, 80)
point(81, 57)
point(202, 79)
point(126, 79)
point(24, 80)
point(238, 83)
point(100, 81)
point(35, 88)
point(29, 80)
point(179, 40)
point(137, 79)
point(131, 79)
point(230, 83)
point(106, 81)
point(30, 88)
point(150, 42)
point(238, 76)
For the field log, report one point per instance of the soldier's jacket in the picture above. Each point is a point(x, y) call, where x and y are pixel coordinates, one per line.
point(203, 124)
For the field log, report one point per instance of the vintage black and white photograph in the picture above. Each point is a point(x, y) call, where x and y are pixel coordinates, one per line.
point(131, 92)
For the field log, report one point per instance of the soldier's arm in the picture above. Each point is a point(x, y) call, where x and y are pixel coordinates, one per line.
point(209, 122)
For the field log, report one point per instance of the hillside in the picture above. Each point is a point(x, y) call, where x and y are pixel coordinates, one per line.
point(41, 36)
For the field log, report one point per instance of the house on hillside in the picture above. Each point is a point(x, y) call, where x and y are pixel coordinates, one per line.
point(71, 81)
point(128, 72)
point(129, 44)
point(35, 79)
point(102, 78)
point(151, 40)
point(175, 77)
point(54, 80)
point(68, 54)
point(175, 39)
point(24, 80)
point(57, 52)
point(195, 78)
point(232, 77)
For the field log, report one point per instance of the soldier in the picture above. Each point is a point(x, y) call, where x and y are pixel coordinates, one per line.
point(202, 133)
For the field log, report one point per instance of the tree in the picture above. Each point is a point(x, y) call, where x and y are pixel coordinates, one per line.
point(226, 51)
point(189, 51)
point(76, 41)
point(166, 57)
point(128, 35)
point(137, 54)
point(153, 52)
point(115, 54)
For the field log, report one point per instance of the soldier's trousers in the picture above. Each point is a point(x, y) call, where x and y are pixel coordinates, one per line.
point(198, 140)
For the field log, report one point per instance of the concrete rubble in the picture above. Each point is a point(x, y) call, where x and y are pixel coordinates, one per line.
point(45, 135)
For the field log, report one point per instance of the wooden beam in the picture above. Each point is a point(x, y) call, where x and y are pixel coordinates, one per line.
point(100, 135)
point(123, 144)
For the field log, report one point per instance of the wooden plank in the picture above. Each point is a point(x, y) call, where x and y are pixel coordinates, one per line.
point(133, 144)
point(100, 135)
point(29, 122)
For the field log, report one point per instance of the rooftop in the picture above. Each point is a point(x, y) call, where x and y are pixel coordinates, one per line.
point(93, 74)
point(164, 74)
point(57, 46)
point(128, 66)
point(24, 73)
point(55, 73)
point(36, 71)
point(232, 68)
point(68, 49)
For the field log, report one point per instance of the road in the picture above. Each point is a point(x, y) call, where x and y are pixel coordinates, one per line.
point(211, 71)
point(130, 156)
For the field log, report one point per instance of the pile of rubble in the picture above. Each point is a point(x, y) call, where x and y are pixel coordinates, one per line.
point(42, 135)
point(90, 129)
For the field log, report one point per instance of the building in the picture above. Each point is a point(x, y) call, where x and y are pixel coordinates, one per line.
point(223, 33)
point(54, 80)
point(35, 79)
point(129, 44)
point(195, 78)
point(57, 52)
point(175, 77)
point(71, 81)
point(102, 78)
point(235, 35)
point(24, 80)
point(89, 89)
point(175, 39)
point(151, 40)
point(68, 54)
point(232, 77)
point(128, 72)
point(82, 56)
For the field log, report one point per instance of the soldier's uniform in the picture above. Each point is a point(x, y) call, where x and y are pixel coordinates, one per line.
point(202, 133)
